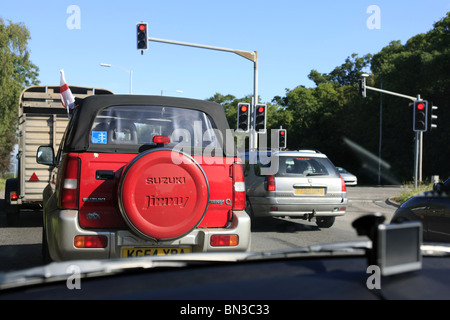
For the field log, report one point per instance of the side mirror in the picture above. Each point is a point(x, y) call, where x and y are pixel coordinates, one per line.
point(45, 155)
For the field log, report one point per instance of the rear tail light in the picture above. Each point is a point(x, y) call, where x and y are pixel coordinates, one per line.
point(344, 187)
point(13, 195)
point(218, 240)
point(238, 187)
point(270, 181)
point(70, 183)
point(90, 242)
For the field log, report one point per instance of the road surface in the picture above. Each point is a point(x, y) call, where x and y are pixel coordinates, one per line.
point(20, 247)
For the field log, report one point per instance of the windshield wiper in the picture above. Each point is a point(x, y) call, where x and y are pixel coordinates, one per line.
point(435, 249)
point(60, 271)
point(337, 248)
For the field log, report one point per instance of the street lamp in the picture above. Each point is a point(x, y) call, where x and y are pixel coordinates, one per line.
point(107, 65)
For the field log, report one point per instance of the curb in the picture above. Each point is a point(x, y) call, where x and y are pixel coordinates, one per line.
point(391, 202)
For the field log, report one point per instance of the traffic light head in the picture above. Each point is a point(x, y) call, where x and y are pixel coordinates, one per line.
point(282, 137)
point(142, 36)
point(260, 118)
point(432, 118)
point(243, 117)
point(420, 116)
point(362, 87)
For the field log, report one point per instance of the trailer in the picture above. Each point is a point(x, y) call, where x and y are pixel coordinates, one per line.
point(42, 121)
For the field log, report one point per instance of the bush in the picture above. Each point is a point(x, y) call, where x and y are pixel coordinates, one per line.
point(410, 191)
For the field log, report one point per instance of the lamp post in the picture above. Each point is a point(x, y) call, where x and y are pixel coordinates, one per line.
point(107, 65)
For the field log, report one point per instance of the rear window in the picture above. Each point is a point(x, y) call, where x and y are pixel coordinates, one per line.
point(138, 125)
point(305, 166)
point(296, 166)
point(284, 165)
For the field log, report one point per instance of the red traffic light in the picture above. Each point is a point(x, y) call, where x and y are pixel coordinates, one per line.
point(142, 35)
point(260, 118)
point(282, 139)
point(420, 115)
point(243, 117)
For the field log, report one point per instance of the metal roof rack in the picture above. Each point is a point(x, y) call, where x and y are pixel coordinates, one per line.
point(309, 150)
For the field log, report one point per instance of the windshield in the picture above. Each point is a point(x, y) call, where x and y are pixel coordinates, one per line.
point(336, 111)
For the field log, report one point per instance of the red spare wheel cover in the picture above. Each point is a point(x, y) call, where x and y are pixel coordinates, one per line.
point(163, 194)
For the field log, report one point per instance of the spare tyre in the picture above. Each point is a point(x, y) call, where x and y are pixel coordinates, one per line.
point(163, 194)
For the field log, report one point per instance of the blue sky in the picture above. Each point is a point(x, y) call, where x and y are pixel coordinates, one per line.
point(291, 37)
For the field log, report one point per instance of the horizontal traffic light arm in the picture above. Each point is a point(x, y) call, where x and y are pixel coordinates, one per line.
point(391, 93)
point(252, 56)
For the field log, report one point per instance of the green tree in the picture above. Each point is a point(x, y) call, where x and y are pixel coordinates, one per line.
point(420, 66)
point(327, 115)
point(16, 73)
point(229, 103)
point(346, 74)
point(313, 116)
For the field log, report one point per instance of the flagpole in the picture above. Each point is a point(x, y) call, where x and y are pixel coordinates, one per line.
point(67, 99)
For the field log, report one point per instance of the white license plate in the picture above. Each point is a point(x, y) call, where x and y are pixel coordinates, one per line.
point(310, 191)
point(142, 252)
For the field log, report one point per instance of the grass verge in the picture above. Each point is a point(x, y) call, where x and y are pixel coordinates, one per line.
point(409, 191)
point(2, 184)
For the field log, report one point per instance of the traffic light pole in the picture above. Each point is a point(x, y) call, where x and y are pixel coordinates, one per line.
point(418, 135)
point(418, 151)
point(250, 55)
point(418, 158)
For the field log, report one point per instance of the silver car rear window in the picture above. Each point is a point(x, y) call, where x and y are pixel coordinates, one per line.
point(304, 166)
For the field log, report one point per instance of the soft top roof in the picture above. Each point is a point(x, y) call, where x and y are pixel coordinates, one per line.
point(87, 109)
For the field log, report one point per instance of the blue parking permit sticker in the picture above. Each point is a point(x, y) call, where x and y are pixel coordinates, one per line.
point(99, 137)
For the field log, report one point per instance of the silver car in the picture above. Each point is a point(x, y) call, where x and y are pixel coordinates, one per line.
point(298, 184)
point(349, 178)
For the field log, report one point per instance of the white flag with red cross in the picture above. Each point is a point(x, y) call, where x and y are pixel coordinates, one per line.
point(67, 97)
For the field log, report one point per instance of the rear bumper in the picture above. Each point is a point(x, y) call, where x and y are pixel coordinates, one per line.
point(63, 227)
point(265, 206)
